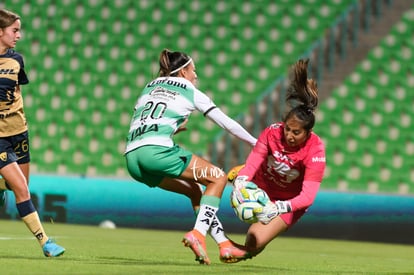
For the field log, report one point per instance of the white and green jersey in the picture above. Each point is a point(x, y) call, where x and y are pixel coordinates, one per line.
point(165, 103)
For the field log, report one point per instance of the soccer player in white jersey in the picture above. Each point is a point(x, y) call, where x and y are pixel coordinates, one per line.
point(161, 111)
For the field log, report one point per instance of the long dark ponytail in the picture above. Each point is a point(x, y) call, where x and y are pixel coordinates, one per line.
point(302, 95)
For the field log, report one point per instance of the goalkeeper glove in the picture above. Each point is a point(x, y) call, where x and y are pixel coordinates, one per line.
point(283, 206)
point(271, 210)
point(268, 213)
point(241, 182)
point(241, 185)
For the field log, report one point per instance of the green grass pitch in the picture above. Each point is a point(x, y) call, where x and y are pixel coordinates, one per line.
point(94, 250)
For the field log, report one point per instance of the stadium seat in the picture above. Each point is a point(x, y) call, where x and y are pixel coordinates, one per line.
point(88, 86)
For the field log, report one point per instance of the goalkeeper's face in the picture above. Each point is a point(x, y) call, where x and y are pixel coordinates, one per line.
point(294, 132)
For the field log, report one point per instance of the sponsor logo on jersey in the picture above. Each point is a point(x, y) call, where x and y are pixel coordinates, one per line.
point(275, 125)
point(3, 116)
point(168, 82)
point(164, 92)
point(318, 159)
point(7, 71)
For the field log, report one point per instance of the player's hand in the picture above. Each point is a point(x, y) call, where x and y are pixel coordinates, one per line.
point(182, 127)
point(268, 213)
point(272, 210)
point(241, 186)
point(241, 182)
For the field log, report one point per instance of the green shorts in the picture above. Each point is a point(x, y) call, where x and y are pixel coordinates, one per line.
point(150, 164)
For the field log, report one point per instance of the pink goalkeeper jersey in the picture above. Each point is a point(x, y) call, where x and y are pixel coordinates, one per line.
point(281, 170)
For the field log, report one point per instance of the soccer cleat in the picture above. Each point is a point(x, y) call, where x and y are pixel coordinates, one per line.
point(231, 252)
point(196, 242)
point(51, 249)
point(2, 197)
point(232, 174)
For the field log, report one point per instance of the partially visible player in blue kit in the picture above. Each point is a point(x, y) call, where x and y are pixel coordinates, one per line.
point(14, 139)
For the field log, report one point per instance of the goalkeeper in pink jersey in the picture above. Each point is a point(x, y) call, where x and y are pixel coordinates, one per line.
point(288, 162)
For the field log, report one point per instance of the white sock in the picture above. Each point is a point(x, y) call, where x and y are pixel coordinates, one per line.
point(217, 231)
point(205, 218)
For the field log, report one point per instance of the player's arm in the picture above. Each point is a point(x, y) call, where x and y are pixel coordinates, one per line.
point(256, 157)
point(253, 162)
point(230, 125)
point(314, 170)
point(305, 198)
point(301, 201)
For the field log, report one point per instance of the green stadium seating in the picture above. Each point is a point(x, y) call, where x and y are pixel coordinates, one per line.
point(88, 60)
point(377, 96)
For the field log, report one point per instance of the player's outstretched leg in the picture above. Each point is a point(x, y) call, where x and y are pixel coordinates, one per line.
point(51, 249)
point(196, 241)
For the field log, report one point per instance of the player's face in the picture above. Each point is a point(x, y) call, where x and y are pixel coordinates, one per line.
point(189, 73)
point(294, 132)
point(10, 35)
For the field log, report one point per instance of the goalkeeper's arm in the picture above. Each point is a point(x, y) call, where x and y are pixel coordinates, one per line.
point(306, 197)
point(303, 200)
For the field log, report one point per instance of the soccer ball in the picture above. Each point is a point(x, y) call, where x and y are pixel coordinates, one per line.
point(246, 209)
